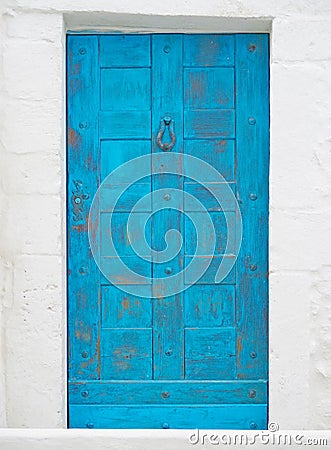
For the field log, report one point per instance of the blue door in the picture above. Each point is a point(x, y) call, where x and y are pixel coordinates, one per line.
point(167, 200)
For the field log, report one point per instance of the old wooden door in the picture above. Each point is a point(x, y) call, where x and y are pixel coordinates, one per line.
point(180, 352)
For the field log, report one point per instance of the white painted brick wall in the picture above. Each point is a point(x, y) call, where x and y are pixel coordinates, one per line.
point(34, 333)
point(32, 238)
point(32, 194)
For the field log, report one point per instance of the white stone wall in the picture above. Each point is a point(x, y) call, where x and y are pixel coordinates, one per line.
point(32, 193)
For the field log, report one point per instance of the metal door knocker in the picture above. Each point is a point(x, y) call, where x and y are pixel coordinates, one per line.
point(166, 122)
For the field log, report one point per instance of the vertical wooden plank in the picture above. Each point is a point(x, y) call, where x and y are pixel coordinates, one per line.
point(167, 95)
point(82, 183)
point(167, 85)
point(252, 156)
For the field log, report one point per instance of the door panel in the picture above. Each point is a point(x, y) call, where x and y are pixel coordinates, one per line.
point(197, 358)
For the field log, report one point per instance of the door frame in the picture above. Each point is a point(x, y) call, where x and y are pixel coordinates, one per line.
point(40, 261)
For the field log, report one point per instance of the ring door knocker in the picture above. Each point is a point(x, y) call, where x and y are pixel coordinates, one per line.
point(166, 122)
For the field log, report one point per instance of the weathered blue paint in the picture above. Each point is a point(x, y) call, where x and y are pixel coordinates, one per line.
point(83, 144)
point(227, 416)
point(252, 168)
point(198, 359)
point(165, 392)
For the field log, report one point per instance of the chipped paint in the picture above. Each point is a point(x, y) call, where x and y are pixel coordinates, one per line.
point(74, 139)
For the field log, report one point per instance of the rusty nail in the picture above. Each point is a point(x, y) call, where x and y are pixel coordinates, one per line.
point(253, 355)
point(253, 425)
point(168, 270)
point(166, 49)
point(253, 197)
point(167, 197)
point(85, 394)
point(165, 394)
point(90, 425)
point(83, 270)
point(251, 120)
point(165, 425)
point(253, 267)
point(82, 51)
point(252, 48)
point(82, 125)
point(84, 354)
point(168, 352)
point(252, 393)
